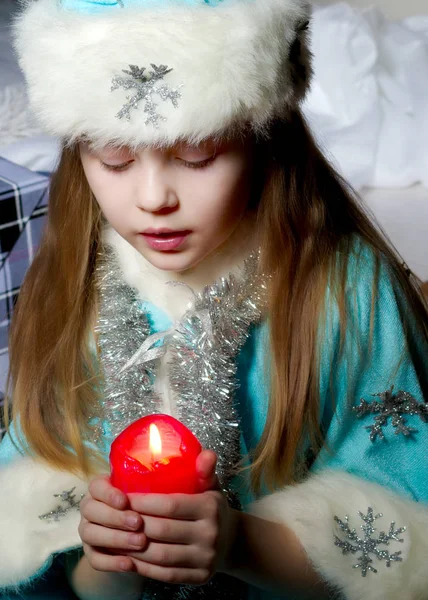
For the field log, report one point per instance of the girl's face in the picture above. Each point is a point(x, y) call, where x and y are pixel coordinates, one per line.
point(175, 205)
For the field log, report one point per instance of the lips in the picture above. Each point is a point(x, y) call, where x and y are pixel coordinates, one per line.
point(164, 240)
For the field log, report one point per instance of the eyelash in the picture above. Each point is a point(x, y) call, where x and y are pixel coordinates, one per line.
point(190, 165)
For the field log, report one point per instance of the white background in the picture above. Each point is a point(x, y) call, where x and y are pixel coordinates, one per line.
point(395, 9)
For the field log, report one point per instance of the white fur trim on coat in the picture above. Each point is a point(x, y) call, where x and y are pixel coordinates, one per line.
point(27, 491)
point(309, 509)
point(237, 62)
point(156, 285)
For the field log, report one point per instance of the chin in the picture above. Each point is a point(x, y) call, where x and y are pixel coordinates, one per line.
point(172, 261)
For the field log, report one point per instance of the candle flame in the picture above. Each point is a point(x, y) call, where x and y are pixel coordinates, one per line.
point(155, 440)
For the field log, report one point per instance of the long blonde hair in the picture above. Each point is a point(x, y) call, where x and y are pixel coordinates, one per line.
point(307, 218)
point(51, 367)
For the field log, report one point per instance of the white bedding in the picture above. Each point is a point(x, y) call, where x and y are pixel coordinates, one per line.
point(368, 102)
point(9, 72)
point(403, 215)
point(367, 108)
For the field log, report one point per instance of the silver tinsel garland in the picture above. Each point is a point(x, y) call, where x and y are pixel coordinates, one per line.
point(203, 366)
point(203, 348)
point(121, 328)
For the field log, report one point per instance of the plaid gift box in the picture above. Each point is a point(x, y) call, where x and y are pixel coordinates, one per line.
point(23, 208)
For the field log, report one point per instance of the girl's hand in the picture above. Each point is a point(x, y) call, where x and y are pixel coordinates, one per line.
point(189, 536)
point(108, 529)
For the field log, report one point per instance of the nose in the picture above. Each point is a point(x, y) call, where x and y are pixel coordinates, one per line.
point(155, 192)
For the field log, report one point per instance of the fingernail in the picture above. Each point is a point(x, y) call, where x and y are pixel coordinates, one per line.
point(132, 521)
point(136, 540)
point(118, 501)
point(125, 566)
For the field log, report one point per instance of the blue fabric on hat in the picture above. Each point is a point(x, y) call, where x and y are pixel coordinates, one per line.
point(99, 6)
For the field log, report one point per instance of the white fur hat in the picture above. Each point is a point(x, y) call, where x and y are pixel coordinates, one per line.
point(156, 71)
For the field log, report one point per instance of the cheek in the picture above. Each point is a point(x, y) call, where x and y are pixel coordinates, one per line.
point(224, 199)
point(106, 190)
point(111, 210)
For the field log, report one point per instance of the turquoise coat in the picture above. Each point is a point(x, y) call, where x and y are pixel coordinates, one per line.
point(395, 358)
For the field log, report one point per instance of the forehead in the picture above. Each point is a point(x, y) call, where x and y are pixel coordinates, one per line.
point(213, 142)
point(118, 147)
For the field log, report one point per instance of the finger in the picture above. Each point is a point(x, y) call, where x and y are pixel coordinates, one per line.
point(172, 575)
point(108, 562)
point(101, 489)
point(170, 506)
point(171, 530)
point(103, 537)
point(206, 463)
point(205, 468)
point(176, 555)
point(102, 514)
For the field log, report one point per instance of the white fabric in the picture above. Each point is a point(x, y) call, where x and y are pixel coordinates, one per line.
point(229, 63)
point(175, 300)
point(10, 73)
point(157, 286)
point(21, 139)
point(366, 105)
point(26, 542)
point(393, 9)
point(37, 153)
point(309, 508)
point(403, 215)
point(17, 121)
point(368, 99)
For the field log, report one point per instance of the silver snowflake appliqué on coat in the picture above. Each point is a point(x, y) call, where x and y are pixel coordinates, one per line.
point(70, 503)
point(368, 545)
point(394, 406)
point(146, 85)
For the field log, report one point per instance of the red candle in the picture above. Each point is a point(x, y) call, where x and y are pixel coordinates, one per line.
point(156, 454)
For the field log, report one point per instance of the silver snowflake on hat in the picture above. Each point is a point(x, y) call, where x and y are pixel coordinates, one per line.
point(369, 545)
point(394, 406)
point(146, 85)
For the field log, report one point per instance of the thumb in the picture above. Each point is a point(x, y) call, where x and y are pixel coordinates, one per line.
point(205, 469)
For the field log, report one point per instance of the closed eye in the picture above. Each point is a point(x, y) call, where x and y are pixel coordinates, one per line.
point(198, 164)
point(186, 163)
point(116, 168)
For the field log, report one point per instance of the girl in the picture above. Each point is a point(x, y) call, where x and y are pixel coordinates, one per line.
point(203, 259)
